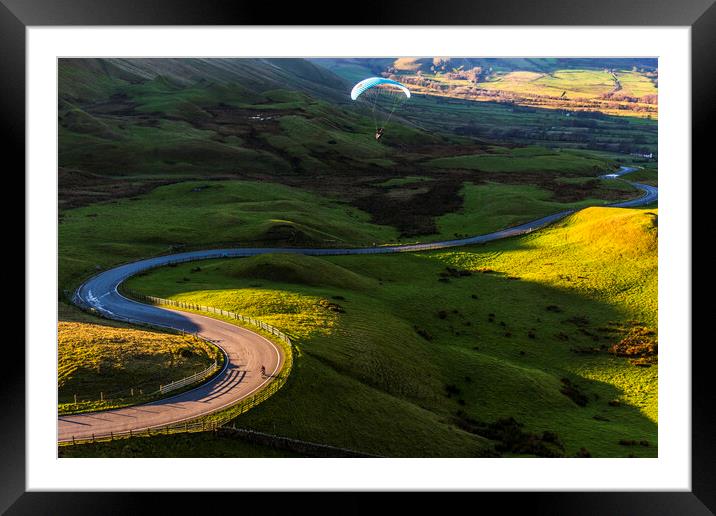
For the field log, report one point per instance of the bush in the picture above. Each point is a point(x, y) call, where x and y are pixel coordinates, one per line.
point(573, 392)
point(579, 320)
point(423, 333)
point(583, 453)
point(639, 343)
point(451, 389)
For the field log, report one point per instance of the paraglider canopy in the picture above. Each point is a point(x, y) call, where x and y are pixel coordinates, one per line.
point(380, 97)
point(373, 82)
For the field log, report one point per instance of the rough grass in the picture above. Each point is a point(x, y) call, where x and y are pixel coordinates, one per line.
point(649, 176)
point(416, 355)
point(202, 214)
point(493, 206)
point(199, 445)
point(95, 358)
point(525, 160)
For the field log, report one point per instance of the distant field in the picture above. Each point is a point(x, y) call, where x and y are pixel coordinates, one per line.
point(533, 313)
point(574, 83)
point(500, 122)
point(612, 92)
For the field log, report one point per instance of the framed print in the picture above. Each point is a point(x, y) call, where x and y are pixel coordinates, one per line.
point(431, 249)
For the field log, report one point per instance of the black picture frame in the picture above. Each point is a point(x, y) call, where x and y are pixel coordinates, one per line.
point(700, 15)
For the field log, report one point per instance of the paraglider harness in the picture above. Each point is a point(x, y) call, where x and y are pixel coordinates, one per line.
point(379, 134)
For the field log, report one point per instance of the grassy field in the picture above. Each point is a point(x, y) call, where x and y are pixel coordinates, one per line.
point(206, 214)
point(502, 122)
point(612, 92)
point(124, 364)
point(576, 83)
point(524, 332)
point(527, 159)
point(493, 206)
point(200, 214)
point(648, 175)
point(203, 445)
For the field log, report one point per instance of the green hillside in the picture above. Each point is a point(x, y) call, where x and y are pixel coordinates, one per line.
point(533, 328)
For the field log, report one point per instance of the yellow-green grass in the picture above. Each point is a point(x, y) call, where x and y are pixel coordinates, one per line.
point(206, 214)
point(576, 83)
point(561, 89)
point(529, 159)
point(635, 84)
point(364, 377)
point(109, 366)
point(493, 206)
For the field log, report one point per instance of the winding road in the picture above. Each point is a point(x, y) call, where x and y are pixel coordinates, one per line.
point(246, 351)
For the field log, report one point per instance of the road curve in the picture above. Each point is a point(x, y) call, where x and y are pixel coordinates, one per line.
point(246, 350)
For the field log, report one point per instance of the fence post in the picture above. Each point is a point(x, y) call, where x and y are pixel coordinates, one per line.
point(101, 396)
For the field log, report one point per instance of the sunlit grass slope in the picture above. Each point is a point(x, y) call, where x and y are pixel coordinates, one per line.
point(97, 358)
point(400, 354)
point(493, 206)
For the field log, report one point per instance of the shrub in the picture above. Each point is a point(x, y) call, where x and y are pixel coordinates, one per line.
point(573, 392)
point(579, 320)
point(639, 343)
point(451, 389)
point(423, 333)
point(583, 453)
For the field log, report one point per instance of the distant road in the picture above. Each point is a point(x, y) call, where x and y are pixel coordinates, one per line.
point(246, 350)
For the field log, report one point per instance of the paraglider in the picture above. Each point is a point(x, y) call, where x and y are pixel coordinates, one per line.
point(381, 97)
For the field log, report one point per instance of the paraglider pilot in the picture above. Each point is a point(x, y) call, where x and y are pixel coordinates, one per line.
point(379, 134)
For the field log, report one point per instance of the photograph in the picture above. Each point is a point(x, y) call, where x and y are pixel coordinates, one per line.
point(271, 254)
point(348, 257)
